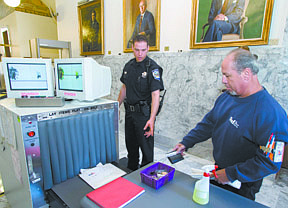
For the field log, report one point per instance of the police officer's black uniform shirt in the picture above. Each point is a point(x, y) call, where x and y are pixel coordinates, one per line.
point(140, 79)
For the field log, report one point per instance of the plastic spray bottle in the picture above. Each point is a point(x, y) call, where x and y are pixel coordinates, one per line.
point(201, 190)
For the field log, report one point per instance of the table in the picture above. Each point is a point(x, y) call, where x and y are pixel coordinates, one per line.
point(178, 193)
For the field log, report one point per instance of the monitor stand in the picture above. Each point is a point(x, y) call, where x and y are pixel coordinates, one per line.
point(40, 102)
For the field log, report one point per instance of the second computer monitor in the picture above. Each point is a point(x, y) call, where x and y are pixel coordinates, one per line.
point(81, 79)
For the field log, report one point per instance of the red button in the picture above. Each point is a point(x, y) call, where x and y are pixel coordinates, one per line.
point(31, 133)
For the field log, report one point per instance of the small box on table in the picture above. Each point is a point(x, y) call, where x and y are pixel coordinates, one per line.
point(157, 175)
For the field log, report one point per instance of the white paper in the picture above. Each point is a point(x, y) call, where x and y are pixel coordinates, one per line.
point(169, 154)
point(101, 174)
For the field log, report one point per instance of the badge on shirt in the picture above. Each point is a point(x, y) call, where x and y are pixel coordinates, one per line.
point(144, 74)
point(156, 74)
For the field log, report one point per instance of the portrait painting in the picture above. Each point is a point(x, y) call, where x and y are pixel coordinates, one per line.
point(91, 23)
point(141, 17)
point(226, 23)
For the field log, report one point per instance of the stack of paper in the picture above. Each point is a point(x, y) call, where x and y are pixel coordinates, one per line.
point(101, 174)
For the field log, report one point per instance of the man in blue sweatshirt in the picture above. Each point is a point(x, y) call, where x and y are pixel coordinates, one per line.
point(247, 125)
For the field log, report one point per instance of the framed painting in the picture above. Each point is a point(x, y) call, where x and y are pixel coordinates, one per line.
point(91, 23)
point(226, 23)
point(141, 17)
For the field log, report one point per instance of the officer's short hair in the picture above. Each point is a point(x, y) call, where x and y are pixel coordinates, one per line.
point(244, 59)
point(139, 38)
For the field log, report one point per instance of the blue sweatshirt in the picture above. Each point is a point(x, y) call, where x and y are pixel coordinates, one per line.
point(238, 127)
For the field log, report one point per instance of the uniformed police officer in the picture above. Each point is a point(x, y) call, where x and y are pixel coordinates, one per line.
point(140, 92)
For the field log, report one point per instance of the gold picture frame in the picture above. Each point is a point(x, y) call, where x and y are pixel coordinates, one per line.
point(91, 28)
point(131, 15)
point(256, 17)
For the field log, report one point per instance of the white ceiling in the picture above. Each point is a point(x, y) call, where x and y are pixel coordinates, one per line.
point(6, 10)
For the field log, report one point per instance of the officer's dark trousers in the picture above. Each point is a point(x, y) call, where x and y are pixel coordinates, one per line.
point(247, 190)
point(135, 139)
point(216, 30)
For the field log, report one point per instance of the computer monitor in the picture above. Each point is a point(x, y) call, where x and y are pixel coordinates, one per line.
point(27, 77)
point(81, 78)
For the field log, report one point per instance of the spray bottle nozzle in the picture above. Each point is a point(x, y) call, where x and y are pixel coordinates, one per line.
point(210, 168)
point(206, 174)
point(214, 171)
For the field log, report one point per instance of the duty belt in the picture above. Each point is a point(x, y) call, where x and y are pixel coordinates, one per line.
point(133, 108)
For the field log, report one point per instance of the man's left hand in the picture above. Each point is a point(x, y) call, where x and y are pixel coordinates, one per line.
point(150, 124)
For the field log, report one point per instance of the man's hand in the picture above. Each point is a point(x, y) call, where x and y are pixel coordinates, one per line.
point(220, 17)
point(154, 108)
point(221, 177)
point(180, 148)
point(150, 124)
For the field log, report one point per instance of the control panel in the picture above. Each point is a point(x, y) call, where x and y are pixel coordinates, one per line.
point(33, 158)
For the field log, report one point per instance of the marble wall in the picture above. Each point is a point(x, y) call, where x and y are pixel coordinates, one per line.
point(193, 82)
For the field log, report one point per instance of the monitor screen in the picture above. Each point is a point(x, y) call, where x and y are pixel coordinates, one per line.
point(27, 76)
point(70, 76)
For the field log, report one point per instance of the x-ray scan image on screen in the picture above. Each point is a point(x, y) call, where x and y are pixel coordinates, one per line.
point(70, 76)
point(27, 76)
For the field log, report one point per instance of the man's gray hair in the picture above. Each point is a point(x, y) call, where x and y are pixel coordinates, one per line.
point(244, 59)
point(145, 2)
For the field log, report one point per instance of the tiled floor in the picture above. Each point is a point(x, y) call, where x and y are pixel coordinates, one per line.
point(274, 192)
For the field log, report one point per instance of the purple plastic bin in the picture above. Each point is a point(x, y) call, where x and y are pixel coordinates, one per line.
point(154, 183)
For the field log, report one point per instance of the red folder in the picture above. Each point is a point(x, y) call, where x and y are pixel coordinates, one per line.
point(117, 193)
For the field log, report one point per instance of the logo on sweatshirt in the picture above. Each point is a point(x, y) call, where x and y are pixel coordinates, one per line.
point(234, 122)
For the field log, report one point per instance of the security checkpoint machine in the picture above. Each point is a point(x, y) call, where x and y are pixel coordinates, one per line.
point(45, 146)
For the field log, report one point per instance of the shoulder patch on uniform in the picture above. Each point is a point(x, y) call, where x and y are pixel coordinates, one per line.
point(156, 74)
